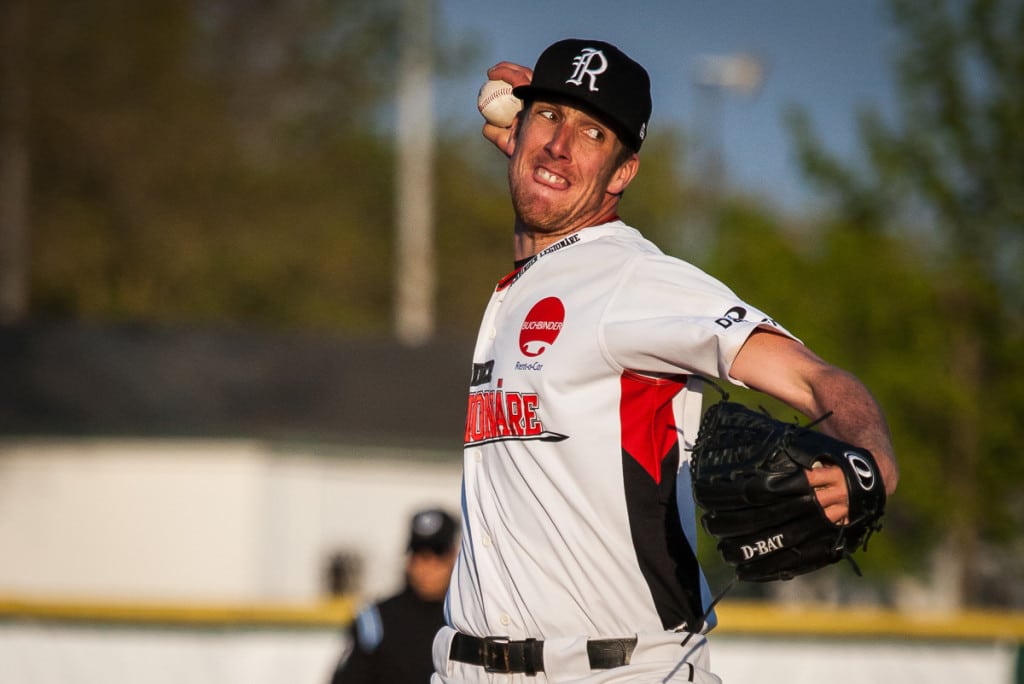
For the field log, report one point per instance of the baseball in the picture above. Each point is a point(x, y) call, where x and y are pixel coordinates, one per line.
point(497, 104)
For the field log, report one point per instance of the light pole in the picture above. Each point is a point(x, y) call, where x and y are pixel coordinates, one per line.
point(415, 280)
point(715, 76)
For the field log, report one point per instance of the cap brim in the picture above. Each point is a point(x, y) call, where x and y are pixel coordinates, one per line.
point(530, 93)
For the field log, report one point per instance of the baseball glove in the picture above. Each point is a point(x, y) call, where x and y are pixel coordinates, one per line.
point(748, 475)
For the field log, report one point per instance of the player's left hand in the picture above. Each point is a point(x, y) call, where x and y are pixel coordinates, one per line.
point(829, 485)
point(517, 75)
point(782, 499)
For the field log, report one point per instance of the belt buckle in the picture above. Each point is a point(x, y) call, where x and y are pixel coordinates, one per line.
point(496, 654)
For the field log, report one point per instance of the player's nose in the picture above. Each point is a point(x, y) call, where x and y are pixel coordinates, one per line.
point(559, 144)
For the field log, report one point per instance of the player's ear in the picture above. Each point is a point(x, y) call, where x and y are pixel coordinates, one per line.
point(624, 175)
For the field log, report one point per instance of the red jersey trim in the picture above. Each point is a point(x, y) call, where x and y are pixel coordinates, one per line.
point(649, 429)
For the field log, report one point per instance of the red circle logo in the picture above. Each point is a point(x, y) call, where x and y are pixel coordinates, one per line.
point(541, 326)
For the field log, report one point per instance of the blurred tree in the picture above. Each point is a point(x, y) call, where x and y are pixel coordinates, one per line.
point(14, 161)
point(661, 201)
point(832, 286)
point(474, 228)
point(211, 160)
point(228, 161)
point(943, 185)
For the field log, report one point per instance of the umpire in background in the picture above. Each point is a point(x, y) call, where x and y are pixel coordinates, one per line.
point(390, 641)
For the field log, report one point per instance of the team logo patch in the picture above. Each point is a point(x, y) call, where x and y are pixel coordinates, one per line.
point(588, 65)
point(541, 327)
point(733, 315)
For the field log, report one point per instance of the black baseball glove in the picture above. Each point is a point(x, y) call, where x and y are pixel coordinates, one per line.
point(748, 474)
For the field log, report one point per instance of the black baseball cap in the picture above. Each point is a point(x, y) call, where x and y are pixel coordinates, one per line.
point(599, 76)
point(432, 530)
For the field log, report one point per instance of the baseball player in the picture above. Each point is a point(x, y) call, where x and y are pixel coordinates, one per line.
point(578, 559)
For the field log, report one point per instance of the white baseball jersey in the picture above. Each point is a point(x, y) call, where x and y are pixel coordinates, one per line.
point(584, 401)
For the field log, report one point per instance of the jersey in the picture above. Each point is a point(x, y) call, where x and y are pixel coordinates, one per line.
point(585, 397)
point(390, 642)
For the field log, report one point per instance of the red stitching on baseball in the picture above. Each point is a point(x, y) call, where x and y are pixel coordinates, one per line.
point(497, 93)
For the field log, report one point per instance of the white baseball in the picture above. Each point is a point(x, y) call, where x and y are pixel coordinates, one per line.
point(497, 103)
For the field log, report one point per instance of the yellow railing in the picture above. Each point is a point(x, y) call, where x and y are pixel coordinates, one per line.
point(736, 617)
point(826, 621)
point(328, 613)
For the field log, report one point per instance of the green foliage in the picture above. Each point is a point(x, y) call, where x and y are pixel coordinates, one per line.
point(474, 229)
point(833, 287)
point(934, 216)
point(212, 162)
point(658, 200)
point(228, 161)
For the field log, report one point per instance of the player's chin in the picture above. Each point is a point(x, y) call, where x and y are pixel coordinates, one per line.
point(536, 207)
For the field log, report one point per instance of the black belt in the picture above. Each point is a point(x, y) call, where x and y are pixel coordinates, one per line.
point(499, 654)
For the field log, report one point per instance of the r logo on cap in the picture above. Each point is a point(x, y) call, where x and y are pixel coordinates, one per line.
point(582, 64)
point(623, 101)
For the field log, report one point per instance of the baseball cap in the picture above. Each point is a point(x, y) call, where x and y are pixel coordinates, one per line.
point(432, 530)
point(600, 77)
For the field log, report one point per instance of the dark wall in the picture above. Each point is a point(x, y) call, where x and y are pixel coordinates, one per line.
point(73, 379)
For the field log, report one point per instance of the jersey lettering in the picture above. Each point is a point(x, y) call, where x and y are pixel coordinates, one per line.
point(481, 373)
point(516, 275)
point(496, 415)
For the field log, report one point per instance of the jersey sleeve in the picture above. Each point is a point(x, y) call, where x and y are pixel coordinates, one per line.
point(668, 316)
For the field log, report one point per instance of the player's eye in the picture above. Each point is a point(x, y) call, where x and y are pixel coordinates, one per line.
point(595, 134)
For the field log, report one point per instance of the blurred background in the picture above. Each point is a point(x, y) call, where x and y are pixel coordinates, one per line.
point(244, 247)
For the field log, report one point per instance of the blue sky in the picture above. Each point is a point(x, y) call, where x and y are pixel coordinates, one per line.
point(830, 57)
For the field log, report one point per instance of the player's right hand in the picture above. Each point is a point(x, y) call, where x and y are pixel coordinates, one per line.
point(517, 75)
point(510, 72)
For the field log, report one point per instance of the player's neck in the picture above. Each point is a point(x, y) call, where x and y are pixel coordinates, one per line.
point(528, 242)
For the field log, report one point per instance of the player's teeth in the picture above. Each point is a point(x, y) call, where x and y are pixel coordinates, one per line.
point(547, 175)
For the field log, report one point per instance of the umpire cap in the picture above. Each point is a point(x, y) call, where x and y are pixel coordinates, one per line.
point(601, 78)
point(432, 530)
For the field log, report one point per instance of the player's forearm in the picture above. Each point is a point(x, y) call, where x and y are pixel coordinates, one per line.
point(787, 370)
point(856, 417)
